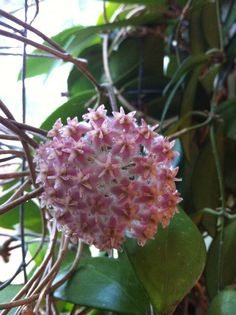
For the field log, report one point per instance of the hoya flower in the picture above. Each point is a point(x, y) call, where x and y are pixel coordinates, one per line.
point(107, 178)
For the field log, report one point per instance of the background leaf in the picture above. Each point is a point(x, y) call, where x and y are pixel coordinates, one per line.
point(32, 215)
point(228, 260)
point(105, 283)
point(169, 266)
point(8, 293)
point(77, 38)
point(223, 304)
point(74, 107)
point(227, 110)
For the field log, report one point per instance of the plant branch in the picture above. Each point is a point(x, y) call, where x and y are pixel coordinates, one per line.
point(31, 128)
point(10, 125)
point(29, 195)
point(16, 153)
point(14, 175)
point(72, 268)
point(9, 137)
point(79, 63)
point(19, 191)
point(32, 29)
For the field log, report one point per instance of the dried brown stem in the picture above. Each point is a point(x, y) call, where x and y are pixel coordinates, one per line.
point(9, 137)
point(29, 195)
point(37, 274)
point(14, 175)
point(19, 191)
point(6, 110)
point(72, 268)
point(13, 152)
point(56, 266)
point(30, 162)
point(31, 128)
point(25, 301)
point(32, 29)
point(10, 125)
point(79, 63)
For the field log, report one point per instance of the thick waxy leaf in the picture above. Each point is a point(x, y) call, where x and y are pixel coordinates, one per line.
point(210, 30)
point(186, 107)
point(110, 10)
point(228, 260)
point(105, 283)
point(32, 217)
point(230, 165)
point(205, 191)
point(197, 43)
point(77, 38)
point(188, 64)
point(169, 266)
point(223, 304)
point(74, 107)
point(77, 82)
point(231, 18)
point(8, 293)
point(205, 187)
point(227, 110)
point(124, 63)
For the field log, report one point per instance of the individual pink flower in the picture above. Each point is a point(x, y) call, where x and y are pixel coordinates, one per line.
point(107, 178)
point(97, 116)
point(56, 130)
point(146, 134)
point(126, 146)
point(75, 129)
point(122, 120)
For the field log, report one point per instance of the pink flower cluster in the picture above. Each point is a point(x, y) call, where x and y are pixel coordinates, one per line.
point(106, 178)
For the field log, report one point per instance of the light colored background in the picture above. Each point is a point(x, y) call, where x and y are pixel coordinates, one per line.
point(43, 94)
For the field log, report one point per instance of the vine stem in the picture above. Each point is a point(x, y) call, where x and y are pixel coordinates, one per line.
point(222, 196)
point(197, 126)
point(79, 63)
point(18, 201)
point(14, 175)
point(17, 301)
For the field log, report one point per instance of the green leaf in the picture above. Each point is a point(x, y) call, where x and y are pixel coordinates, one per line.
point(170, 99)
point(187, 106)
point(41, 65)
point(231, 18)
point(105, 283)
point(210, 30)
point(32, 217)
point(77, 38)
point(230, 51)
point(197, 44)
point(169, 266)
point(110, 10)
point(74, 107)
point(223, 304)
point(207, 80)
point(229, 165)
point(228, 260)
point(8, 293)
point(227, 110)
point(205, 187)
point(77, 82)
point(187, 65)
